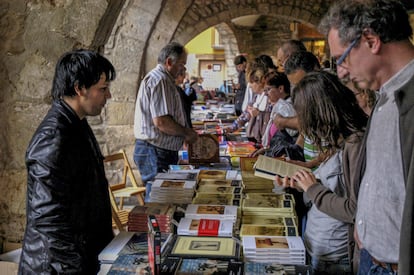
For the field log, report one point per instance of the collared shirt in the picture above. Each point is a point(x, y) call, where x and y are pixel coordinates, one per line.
point(382, 191)
point(158, 96)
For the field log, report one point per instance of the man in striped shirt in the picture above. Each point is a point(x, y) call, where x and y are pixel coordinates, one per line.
point(160, 126)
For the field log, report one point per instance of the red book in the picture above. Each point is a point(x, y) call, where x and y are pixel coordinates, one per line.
point(154, 245)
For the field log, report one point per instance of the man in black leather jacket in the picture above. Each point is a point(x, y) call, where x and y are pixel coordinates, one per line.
point(68, 208)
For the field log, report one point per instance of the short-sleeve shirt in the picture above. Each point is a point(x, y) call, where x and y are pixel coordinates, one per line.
point(157, 97)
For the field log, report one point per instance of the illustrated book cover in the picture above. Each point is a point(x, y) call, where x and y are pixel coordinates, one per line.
point(204, 150)
point(206, 266)
point(210, 247)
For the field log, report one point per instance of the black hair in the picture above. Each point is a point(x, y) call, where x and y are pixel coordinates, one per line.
point(82, 68)
point(306, 61)
point(240, 59)
point(276, 79)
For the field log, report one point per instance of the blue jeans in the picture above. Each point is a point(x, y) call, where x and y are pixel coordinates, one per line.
point(151, 160)
point(367, 267)
point(340, 267)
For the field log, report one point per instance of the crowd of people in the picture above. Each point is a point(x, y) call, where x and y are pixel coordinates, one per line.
point(353, 127)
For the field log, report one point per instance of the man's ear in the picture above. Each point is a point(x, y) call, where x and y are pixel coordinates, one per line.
point(78, 90)
point(169, 62)
point(372, 40)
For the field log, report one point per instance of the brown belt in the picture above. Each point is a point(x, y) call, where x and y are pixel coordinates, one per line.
point(394, 267)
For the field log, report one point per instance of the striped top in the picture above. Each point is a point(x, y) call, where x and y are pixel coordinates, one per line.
point(157, 97)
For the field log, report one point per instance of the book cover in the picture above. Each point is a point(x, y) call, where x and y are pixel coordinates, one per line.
point(220, 182)
point(154, 245)
point(170, 264)
point(211, 211)
point(268, 167)
point(122, 244)
point(268, 220)
point(217, 199)
point(268, 230)
point(188, 175)
point(130, 264)
point(247, 163)
point(255, 268)
point(212, 174)
point(210, 247)
point(205, 266)
point(181, 167)
point(204, 150)
point(205, 227)
point(273, 244)
point(214, 189)
point(253, 205)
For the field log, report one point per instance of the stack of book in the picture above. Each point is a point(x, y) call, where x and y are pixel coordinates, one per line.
point(218, 174)
point(269, 205)
point(218, 199)
point(138, 217)
point(214, 212)
point(127, 253)
point(172, 191)
point(240, 148)
point(218, 191)
point(205, 227)
point(206, 247)
point(274, 249)
point(254, 184)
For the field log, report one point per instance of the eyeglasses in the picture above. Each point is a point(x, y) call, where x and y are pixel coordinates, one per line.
point(341, 59)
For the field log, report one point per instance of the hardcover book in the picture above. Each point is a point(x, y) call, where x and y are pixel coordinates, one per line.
point(268, 167)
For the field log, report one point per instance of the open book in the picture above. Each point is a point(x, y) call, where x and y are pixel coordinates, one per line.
point(268, 168)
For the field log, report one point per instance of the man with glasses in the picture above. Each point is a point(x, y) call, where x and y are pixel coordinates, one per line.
point(160, 121)
point(370, 41)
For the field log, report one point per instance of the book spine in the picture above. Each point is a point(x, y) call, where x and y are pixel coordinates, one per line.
point(154, 245)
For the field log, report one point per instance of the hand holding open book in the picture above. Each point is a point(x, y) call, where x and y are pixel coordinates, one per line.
point(293, 175)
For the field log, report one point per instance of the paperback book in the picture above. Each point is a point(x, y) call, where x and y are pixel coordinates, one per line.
point(206, 266)
point(208, 247)
point(268, 167)
point(268, 230)
point(217, 212)
point(154, 245)
point(205, 227)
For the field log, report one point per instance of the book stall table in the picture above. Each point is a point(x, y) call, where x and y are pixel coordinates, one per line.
point(212, 218)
